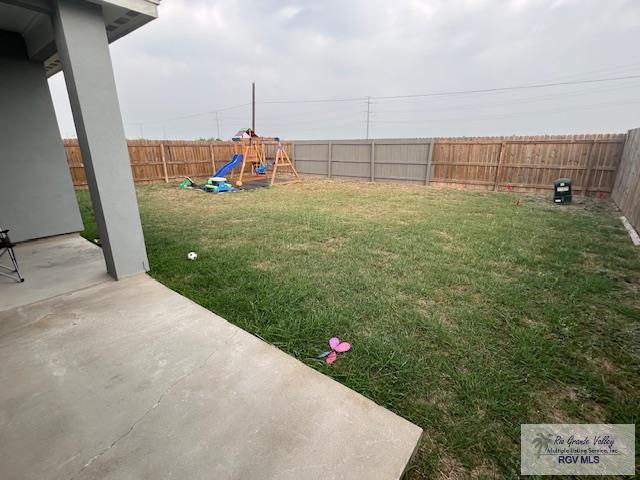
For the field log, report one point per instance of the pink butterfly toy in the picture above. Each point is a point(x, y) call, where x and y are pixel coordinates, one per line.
point(337, 346)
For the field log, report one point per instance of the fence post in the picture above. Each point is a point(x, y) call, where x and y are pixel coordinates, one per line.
point(427, 178)
point(213, 158)
point(590, 157)
point(329, 160)
point(373, 161)
point(293, 153)
point(495, 179)
point(164, 164)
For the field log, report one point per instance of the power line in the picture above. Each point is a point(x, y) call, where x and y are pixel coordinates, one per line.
point(512, 101)
point(396, 97)
point(504, 89)
point(194, 115)
point(607, 70)
point(321, 100)
point(455, 92)
point(511, 115)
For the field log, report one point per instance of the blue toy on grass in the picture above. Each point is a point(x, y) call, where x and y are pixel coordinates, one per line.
point(217, 185)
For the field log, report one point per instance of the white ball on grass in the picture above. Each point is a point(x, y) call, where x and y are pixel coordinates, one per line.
point(192, 255)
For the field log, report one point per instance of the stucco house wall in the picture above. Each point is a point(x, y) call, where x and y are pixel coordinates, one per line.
point(37, 198)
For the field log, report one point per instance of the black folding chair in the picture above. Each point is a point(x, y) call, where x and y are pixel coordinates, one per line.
point(7, 247)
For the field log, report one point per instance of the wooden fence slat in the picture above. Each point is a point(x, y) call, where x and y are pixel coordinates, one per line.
point(589, 160)
point(373, 162)
point(428, 174)
point(213, 159)
point(164, 164)
point(503, 147)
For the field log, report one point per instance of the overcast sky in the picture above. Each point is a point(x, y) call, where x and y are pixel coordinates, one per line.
point(201, 56)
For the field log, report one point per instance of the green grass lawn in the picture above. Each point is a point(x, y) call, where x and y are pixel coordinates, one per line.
point(468, 315)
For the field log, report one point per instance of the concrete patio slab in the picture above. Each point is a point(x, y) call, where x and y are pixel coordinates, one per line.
point(130, 380)
point(51, 267)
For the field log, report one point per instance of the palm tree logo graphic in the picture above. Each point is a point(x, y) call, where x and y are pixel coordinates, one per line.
point(542, 441)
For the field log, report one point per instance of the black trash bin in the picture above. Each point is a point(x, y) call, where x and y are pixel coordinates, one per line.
point(562, 190)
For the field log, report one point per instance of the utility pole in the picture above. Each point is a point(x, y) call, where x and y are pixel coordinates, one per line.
point(368, 114)
point(253, 106)
point(217, 126)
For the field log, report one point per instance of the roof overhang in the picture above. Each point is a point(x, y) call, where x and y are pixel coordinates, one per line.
point(32, 20)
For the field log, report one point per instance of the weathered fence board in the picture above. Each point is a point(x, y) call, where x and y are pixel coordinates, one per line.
point(493, 163)
point(626, 190)
point(372, 160)
point(153, 160)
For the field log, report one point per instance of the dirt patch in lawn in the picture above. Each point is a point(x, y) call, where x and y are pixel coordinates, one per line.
point(263, 265)
point(565, 404)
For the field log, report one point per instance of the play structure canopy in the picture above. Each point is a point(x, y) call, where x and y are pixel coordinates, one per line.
point(244, 134)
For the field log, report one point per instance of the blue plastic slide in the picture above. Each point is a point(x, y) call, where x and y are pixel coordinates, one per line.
point(226, 169)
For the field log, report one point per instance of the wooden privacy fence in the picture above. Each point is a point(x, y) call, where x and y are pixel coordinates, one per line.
point(524, 163)
point(153, 160)
point(626, 191)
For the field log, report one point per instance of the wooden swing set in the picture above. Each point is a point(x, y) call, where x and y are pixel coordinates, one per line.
point(254, 163)
point(282, 160)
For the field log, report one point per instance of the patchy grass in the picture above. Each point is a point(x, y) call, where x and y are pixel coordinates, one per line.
point(469, 316)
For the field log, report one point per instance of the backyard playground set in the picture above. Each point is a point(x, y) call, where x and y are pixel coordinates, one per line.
point(249, 166)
